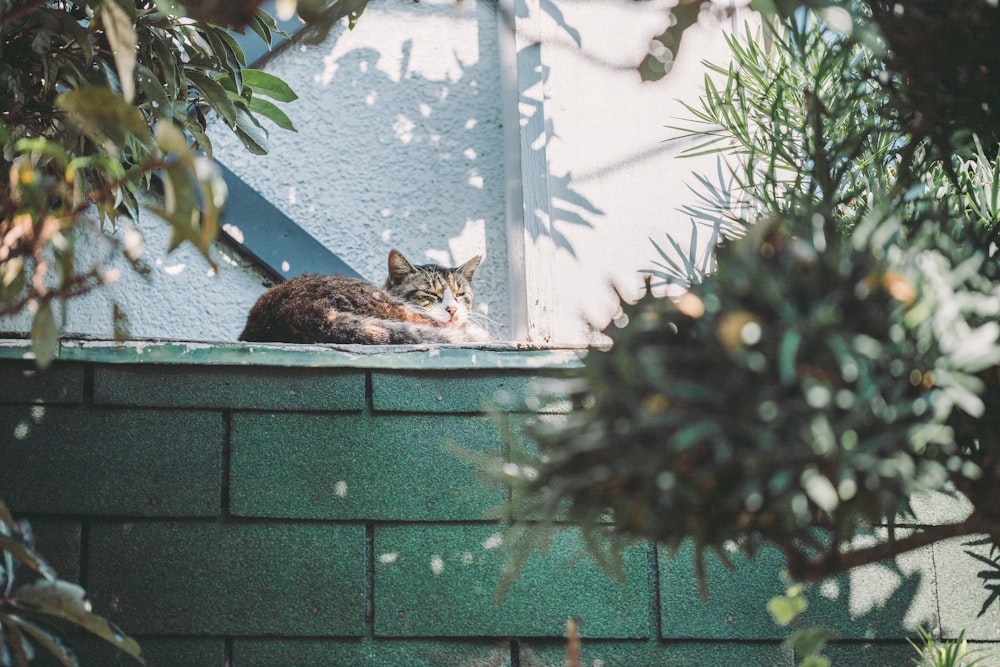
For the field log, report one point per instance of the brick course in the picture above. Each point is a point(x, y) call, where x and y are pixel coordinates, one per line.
point(302, 506)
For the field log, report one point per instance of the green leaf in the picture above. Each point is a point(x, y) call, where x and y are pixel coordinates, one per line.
point(267, 84)
point(4, 133)
point(179, 207)
point(119, 28)
point(44, 335)
point(105, 116)
point(784, 609)
point(787, 352)
point(15, 639)
point(27, 556)
point(72, 28)
point(45, 638)
point(214, 94)
point(171, 8)
point(41, 146)
point(250, 133)
point(271, 111)
point(66, 601)
point(808, 642)
point(153, 89)
point(263, 24)
point(235, 49)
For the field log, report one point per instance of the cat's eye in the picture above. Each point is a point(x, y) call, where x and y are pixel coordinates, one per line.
point(423, 295)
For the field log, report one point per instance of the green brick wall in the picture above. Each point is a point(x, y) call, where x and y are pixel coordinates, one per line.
point(241, 506)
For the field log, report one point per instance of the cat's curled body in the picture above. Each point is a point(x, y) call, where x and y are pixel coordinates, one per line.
point(418, 304)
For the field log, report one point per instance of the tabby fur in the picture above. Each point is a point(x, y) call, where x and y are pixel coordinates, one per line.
point(418, 304)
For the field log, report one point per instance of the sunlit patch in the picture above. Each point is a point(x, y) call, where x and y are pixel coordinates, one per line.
point(175, 269)
point(235, 232)
point(340, 489)
point(389, 558)
point(403, 129)
point(830, 590)
point(38, 413)
point(494, 541)
point(467, 558)
point(437, 564)
point(285, 266)
point(21, 431)
point(133, 243)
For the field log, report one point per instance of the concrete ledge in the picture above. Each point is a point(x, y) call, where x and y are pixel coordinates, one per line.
point(506, 356)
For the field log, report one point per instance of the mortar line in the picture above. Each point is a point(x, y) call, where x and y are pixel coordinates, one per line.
point(937, 593)
point(85, 554)
point(369, 631)
point(225, 467)
point(88, 384)
point(654, 595)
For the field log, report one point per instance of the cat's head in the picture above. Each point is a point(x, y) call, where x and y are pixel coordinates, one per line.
point(441, 293)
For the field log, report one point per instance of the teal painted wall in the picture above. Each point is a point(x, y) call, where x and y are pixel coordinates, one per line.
point(297, 506)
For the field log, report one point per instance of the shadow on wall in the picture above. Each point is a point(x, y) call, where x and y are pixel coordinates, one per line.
point(551, 199)
point(403, 145)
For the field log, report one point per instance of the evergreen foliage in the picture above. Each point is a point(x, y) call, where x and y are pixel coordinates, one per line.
point(844, 353)
point(99, 96)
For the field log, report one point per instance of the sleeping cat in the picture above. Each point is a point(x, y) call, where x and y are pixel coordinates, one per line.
point(418, 304)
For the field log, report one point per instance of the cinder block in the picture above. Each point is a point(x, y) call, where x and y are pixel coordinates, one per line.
point(534, 653)
point(885, 654)
point(884, 600)
point(197, 579)
point(59, 544)
point(369, 653)
point(257, 388)
point(466, 391)
point(936, 507)
point(961, 593)
point(346, 466)
point(78, 460)
point(22, 382)
point(159, 652)
point(440, 581)
point(869, 602)
point(736, 607)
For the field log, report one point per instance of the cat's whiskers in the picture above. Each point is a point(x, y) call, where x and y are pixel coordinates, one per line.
point(483, 321)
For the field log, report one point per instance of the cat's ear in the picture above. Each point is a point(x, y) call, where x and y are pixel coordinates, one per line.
point(470, 267)
point(399, 266)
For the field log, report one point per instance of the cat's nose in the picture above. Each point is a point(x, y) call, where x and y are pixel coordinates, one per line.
point(451, 310)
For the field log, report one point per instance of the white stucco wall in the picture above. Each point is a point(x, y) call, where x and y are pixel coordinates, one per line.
point(613, 179)
point(401, 145)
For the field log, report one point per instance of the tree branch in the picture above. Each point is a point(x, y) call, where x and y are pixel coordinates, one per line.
point(803, 568)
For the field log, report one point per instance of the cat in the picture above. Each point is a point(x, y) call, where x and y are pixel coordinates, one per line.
point(418, 304)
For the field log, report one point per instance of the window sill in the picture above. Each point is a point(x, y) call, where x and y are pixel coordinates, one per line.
point(494, 356)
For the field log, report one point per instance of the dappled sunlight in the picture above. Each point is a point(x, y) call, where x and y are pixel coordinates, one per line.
point(405, 58)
